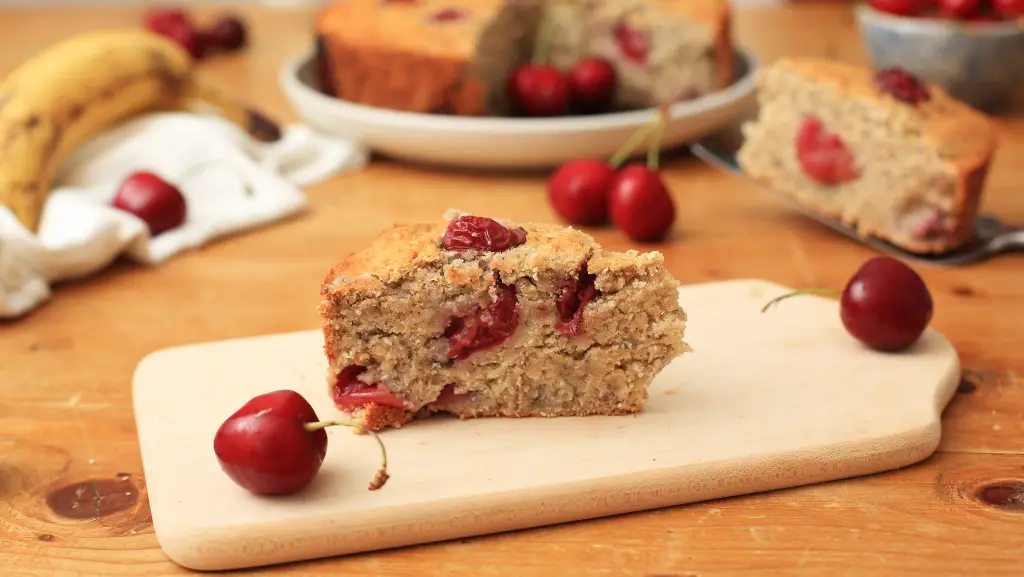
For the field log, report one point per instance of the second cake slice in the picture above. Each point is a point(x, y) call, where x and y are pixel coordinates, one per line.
point(476, 317)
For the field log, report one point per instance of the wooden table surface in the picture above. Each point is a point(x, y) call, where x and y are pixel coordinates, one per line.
point(65, 371)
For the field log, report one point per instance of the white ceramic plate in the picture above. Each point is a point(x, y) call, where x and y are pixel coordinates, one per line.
point(476, 142)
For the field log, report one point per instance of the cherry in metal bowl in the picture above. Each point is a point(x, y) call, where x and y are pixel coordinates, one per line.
point(979, 61)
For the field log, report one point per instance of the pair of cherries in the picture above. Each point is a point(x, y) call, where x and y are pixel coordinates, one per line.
point(227, 34)
point(591, 192)
point(544, 90)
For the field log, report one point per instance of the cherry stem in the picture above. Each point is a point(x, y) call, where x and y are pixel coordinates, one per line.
point(202, 166)
point(630, 145)
point(542, 43)
point(654, 146)
point(800, 292)
point(381, 476)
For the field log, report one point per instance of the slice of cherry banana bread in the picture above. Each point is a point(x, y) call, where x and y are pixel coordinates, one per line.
point(896, 158)
point(480, 318)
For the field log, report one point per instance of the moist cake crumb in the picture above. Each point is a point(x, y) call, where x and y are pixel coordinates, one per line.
point(553, 326)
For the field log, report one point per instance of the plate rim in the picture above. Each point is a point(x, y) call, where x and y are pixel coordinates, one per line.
point(296, 90)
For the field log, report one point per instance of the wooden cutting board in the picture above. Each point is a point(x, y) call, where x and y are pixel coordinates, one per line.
point(765, 401)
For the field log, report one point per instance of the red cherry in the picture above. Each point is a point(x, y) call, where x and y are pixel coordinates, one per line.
point(959, 9)
point(265, 448)
point(275, 444)
point(539, 90)
point(175, 24)
point(579, 189)
point(157, 202)
point(160, 20)
point(823, 155)
point(592, 84)
point(640, 204)
point(897, 7)
point(480, 233)
point(487, 327)
point(193, 41)
point(228, 34)
point(1009, 8)
point(885, 304)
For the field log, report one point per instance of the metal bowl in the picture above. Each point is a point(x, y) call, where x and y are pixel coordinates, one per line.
point(981, 64)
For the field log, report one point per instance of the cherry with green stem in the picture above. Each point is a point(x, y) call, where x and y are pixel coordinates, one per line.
point(579, 189)
point(885, 304)
point(538, 88)
point(639, 202)
point(275, 444)
point(819, 292)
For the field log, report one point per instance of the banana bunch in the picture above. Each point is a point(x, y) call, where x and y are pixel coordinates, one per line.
point(77, 88)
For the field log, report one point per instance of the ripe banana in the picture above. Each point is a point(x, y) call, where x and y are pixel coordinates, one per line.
point(72, 91)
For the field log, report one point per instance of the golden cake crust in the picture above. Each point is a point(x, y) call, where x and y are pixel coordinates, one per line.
point(403, 247)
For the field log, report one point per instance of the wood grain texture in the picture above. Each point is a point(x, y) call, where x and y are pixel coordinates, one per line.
point(65, 371)
point(732, 417)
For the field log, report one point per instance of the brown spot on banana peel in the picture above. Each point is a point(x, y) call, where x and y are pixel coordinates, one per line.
point(157, 59)
point(261, 127)
point(75, 111)
point(162, 67)
point(255, 123)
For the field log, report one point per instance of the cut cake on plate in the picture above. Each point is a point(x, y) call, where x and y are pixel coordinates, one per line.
point(455, 56)
point(541, 322)
point(893, 157)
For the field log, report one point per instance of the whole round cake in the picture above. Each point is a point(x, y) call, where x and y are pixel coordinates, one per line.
point(455, 56)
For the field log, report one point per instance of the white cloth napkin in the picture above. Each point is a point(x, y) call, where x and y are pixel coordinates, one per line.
point(80, 233)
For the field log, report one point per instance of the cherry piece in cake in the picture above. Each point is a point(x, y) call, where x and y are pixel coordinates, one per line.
point(890, 156)
point(487, 327)
point(902, 85)
point(481, 233)
point(823, 155)
point(632, 43)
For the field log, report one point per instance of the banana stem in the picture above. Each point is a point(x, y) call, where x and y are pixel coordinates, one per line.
point(381, 476)
point(797, 293)
point(253, 122)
